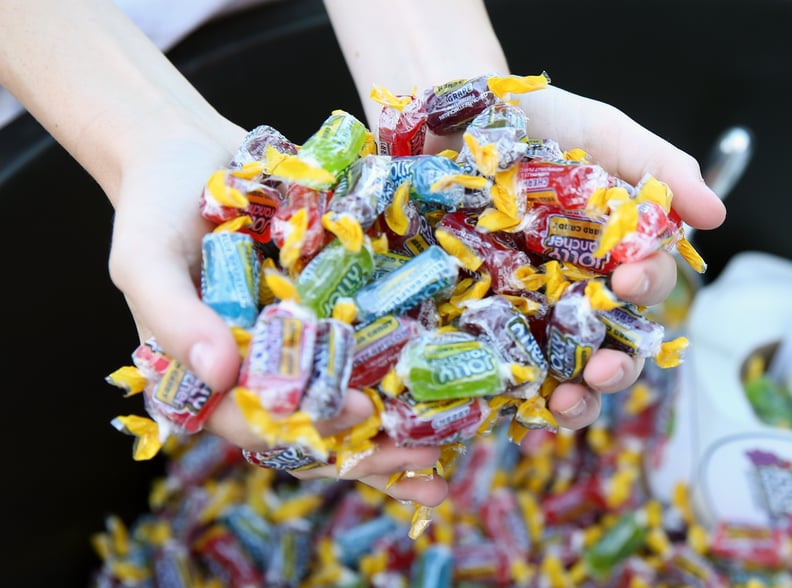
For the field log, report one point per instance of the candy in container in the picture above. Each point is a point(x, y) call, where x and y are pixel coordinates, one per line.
point(483, 561)
point(208, 456)
point(434, 568)
point(223, 554)
point(291, 557)
point(504, 521)
point(256, 535)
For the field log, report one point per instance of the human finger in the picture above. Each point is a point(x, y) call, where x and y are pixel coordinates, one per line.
point(625, 148)
point(574, 405)
point(645, 282)
point(610, 370)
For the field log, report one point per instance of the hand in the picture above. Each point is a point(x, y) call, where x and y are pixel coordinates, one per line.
point(628, 151)
point(156, 262)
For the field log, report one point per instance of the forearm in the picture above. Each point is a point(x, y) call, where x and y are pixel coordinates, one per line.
point(401, 45)
point(96, 83)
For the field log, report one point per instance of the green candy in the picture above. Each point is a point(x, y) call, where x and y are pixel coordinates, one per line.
point(624, 538)
point(336, 145)
point(333, 274)
point(450, 364)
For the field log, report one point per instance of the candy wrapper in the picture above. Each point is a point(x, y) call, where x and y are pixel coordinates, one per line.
point(456, 290)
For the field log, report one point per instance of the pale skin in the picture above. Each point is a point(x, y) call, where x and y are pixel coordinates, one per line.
point(150, 140)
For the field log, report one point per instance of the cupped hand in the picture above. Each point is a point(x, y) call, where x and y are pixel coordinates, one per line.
point(155, 261)
point(629, 151)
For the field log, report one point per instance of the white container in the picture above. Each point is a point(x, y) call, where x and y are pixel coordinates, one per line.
point(710, 433)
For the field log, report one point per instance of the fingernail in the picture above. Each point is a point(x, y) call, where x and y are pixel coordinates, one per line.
point(201, 358)
point(642, 287)
point(576, 409)
point(614, 379)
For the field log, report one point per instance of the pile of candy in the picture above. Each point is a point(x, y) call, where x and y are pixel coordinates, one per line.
point(456, 289)
point(558, 510)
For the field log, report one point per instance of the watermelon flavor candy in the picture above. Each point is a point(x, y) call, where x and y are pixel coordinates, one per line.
point(574, 333)
point(279, 361)
point(377, 347)
point(412, 424)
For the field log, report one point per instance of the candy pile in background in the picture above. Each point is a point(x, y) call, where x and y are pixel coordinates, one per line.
point(456, 290)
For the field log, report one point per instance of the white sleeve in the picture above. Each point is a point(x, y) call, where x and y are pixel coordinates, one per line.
point(165, 23)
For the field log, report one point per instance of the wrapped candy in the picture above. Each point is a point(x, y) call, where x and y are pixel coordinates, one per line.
point(441, 365)
point(335, 273)
point(508, 331)
point(279, 362)
point(364, 190)
point(230, 277)
point(455, 290)
point(495, 253)
point(574, 333)
point(429, 274)
point(377, 347)
point(332, 367)
point(412, 424)
point(402, 123)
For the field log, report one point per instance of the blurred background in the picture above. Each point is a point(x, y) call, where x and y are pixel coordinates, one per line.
point(686, 70)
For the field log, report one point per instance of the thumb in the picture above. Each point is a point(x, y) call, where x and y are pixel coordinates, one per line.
point(165, 303)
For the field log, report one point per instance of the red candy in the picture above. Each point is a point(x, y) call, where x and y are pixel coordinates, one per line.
point(402, 131)
point(280, 360)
